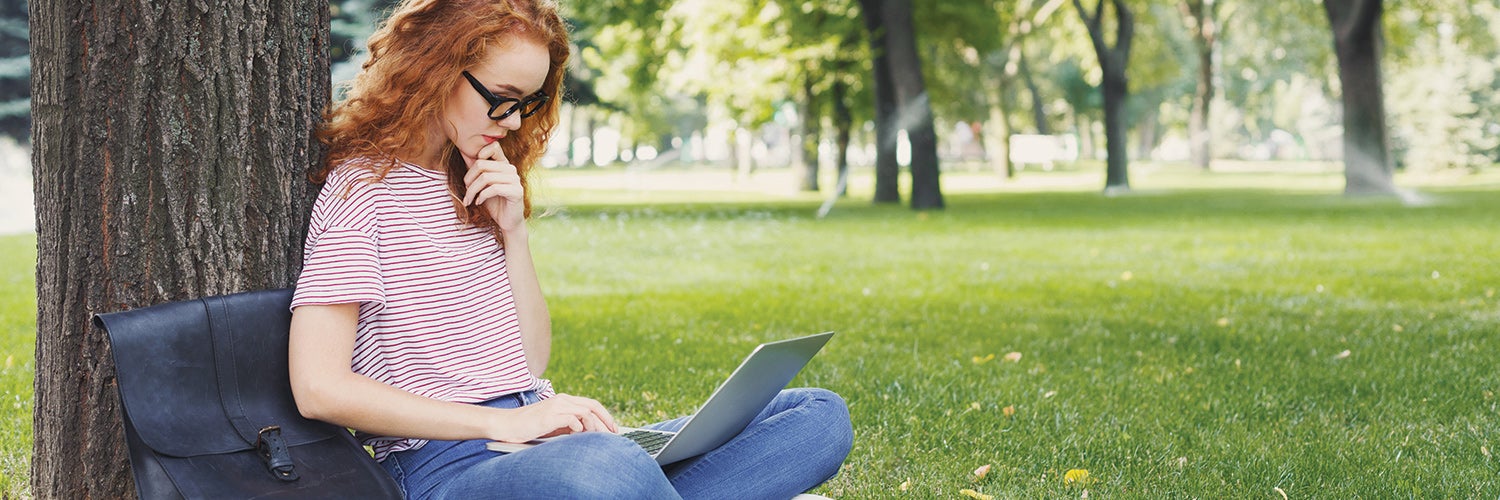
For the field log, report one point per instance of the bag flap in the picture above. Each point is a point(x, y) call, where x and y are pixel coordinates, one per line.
point(204, 376)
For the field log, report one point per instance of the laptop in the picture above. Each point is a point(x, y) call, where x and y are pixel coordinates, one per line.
point(747, 391)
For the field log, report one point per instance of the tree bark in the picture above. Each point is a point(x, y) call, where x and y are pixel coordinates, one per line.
point(1357, 41)
point(887, 171)
point(914, 110)
point(843, 124)
point(1116, 87)
point(172, 141)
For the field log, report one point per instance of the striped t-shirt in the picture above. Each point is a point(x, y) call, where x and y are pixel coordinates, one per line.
point(436, 316)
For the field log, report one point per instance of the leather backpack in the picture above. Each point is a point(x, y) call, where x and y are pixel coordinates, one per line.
point(208, 410)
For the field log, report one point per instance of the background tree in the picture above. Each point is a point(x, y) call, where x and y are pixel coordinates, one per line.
point(15, 72)
point(171, 145)
point(890, 23)
point(1202, 19)
point(1357, 41)
point(1443, 86)
point(887, 170)
point(1113, 61)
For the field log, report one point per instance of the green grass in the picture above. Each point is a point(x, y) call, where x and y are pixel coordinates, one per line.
point(1215, 367)
point(1175, 344)
point(17, 365)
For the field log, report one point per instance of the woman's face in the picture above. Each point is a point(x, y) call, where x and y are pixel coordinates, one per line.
point(517, 71)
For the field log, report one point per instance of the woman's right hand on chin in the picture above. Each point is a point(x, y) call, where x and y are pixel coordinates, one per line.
point(554, 416)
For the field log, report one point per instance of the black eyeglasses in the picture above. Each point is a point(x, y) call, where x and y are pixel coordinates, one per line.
point(527, 107)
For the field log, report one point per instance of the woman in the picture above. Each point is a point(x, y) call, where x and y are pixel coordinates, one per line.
point(418, 319)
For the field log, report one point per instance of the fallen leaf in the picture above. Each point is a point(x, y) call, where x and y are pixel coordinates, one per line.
point(975, 406)
point(1013, 356)
point(905, 485)
point(1181, 462)
point(1278, 490)
point(1085, 495)
point(1080, 476)
point(1489, 292)
point(1342, 354)
point(1125, 276)
point(648, 396)
point(974, 494)
point(1398, 328)
point(1485, 450)
point(1049, 394)
point(982, 471)
point(1009, 411)
point(1223, 322)
point(982, 360)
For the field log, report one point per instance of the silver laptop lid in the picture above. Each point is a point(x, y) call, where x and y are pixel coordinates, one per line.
point(748, 390)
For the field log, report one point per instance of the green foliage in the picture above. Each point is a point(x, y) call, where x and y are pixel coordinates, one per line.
point(15, 71)
point(1445, 105)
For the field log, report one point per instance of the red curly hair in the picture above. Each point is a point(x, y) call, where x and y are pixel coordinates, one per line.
point(416, 57)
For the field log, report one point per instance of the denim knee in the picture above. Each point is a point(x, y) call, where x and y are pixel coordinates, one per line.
point(832, 415)
point(602, 465)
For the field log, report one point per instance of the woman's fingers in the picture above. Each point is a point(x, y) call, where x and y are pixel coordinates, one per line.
point(477, 181)
point(498, 191)
point(582, 414)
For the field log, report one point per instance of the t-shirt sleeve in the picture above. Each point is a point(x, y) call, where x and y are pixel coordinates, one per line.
point(544, 388)
point(341, 257)
point(342, 265)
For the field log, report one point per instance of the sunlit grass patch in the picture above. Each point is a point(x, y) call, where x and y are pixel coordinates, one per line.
point(1178, 344)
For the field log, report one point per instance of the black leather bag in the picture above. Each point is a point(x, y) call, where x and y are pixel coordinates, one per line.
point(208, 407)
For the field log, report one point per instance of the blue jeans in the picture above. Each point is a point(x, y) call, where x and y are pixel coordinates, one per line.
point(796, 443)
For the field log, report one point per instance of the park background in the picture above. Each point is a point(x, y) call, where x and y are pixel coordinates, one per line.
point(1224, 306)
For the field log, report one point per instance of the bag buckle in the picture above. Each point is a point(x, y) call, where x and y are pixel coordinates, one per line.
point(274, 453)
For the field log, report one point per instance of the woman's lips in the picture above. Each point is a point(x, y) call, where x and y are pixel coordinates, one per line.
point(491, 138)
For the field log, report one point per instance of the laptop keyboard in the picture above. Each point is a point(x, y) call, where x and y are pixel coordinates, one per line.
point(651, 440)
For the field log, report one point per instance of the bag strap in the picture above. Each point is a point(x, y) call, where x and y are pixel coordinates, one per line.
point(222, 335)
point(229, 360)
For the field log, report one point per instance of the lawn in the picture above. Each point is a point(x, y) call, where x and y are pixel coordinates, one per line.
point(17, 342)
point(1173, 343)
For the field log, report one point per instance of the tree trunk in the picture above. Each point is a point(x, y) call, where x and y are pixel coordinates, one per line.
point(1148, 132)
point(915, 111)
point(811, 122)
point(1202, 20)
point(1357, 40)
point(1115, 136)
point(887, 171)
point(1038, 105)
point(571, 131)
point(171, 146)
point(1085, 127)
point(997, 135)
point(1113, 61)
point(843, 124)
point(1201, 142)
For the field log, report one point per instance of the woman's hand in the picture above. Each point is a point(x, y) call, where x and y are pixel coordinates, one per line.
point(494, 184)
point(554, 416)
